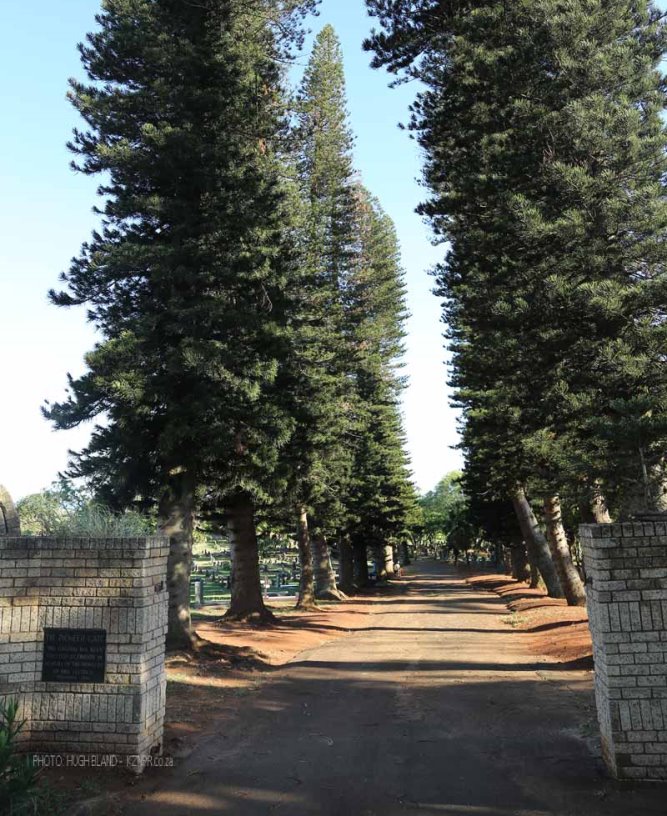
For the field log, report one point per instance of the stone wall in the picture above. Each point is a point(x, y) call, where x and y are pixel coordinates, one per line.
point(114, 586)
point(626, 569)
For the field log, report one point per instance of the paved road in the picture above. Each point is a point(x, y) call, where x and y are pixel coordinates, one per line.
point(432, 708)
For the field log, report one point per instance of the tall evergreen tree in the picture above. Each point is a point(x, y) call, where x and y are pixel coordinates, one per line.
point(380, 495)
point(188, 280)
point(545, 156)
point(320, 387)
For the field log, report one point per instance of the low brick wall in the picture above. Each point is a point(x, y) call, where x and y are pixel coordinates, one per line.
point(626, 569)
point(113, 587)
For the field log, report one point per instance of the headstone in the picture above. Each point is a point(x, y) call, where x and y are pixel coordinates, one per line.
point(9, 518)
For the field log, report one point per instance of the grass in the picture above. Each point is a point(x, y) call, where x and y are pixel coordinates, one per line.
point(208, 613)
point(513, 619)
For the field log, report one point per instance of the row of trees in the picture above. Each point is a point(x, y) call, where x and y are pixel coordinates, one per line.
point(247, 291)
point(545, 162)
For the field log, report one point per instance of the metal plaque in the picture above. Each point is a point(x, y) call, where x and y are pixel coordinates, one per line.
point(74, 655)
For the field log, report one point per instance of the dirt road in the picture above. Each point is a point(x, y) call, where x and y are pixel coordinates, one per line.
point(433, 707)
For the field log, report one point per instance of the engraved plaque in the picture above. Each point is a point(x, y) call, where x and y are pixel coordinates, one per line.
point(74, 655)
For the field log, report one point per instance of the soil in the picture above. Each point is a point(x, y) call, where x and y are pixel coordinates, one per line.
point(442, 693)
point(232, 661)
point(550, 627)
point(435, 703)
point(236, 657)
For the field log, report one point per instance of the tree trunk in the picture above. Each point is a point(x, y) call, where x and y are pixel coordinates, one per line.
point(346, 562)
point(519, 558)
point(378, 559)
point(595, 510)
point(325, 578)
point(404, 557)
point(534, 582)
point(306, 599)
point(570, 580)
point(498, 556)
point(247, 602)
point(360, 564)
point(507, 561)
point(388, 559)
point(536, 543)
point(176, 521)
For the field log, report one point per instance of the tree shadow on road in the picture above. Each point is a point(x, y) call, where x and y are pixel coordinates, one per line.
point(326, 738)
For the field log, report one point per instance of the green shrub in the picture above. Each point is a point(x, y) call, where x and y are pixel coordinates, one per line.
point(18, 775)
point(95, 521)
point(64, 510)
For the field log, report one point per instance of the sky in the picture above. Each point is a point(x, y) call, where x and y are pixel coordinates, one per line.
point(46, 213)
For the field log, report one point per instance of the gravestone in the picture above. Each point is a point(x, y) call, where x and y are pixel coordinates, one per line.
point(82, 642)
point(626, 569)
point(9, 518)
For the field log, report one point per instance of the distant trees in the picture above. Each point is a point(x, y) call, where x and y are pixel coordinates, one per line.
point(246, 289)
point(545, 159)
point(441, 506)
point(379, 495)
point(321, 388)
point(350, 471)
point(448, 519)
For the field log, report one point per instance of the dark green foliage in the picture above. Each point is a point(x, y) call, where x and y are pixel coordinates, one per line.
point(380, 495)
point(318, 386)
point(188, 280)
point(347, 454)
point(248, 299)
point(545, 154)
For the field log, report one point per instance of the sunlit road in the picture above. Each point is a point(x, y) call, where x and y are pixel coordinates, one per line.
point(433, 708)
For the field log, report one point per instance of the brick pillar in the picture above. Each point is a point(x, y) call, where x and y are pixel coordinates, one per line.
point(113, 590)
point(626, 569)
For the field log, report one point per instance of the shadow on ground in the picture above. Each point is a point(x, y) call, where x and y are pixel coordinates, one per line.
point(434, 710)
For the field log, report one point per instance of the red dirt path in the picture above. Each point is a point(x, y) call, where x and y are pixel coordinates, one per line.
point(204, 691)
point(550, 626)
point(241, 656)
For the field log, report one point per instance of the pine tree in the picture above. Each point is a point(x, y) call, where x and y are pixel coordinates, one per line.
point(320, 386)
point(380, 495)
point(188, 279)
point(545, 154)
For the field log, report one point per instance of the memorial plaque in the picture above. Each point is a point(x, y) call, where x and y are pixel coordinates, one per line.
point(74, 655)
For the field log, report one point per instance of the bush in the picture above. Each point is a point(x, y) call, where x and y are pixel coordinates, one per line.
point(96, 521)
point(18, 775)
point(62, 511)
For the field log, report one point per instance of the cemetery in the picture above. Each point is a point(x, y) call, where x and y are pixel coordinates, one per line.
point(334, 442)
point(84, 623)
point(279, 568)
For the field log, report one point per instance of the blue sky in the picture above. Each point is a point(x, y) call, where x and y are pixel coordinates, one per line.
point(45, 214)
